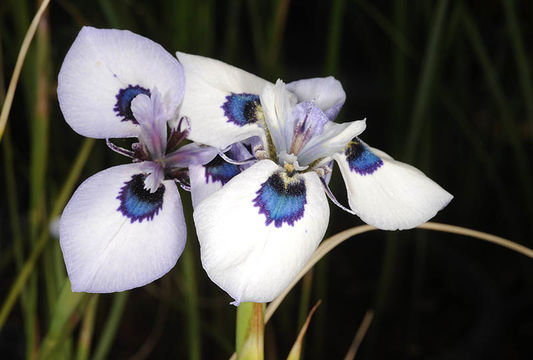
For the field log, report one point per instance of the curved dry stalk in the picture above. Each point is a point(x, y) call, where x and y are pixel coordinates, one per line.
point(336, 239)
point(6, 107)
point(359, 335)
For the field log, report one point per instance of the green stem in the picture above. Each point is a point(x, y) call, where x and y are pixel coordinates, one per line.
point(509, 124)
point(334, 36)
point(250, 331)
point(188, 267)
point(87, 328)
point(522, 63)
point(67, 303)
point(425, 86)
point(111, 326)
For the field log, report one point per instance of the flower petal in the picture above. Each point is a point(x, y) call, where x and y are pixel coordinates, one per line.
point(326, 92)
point(223, 97)
point(104, 70)
point(386, 193)
point(190, 154)
point(115, 235)
point(333, 139)
point(206, 179)
point(152, 119)
point(256, 234)
point(277, 104)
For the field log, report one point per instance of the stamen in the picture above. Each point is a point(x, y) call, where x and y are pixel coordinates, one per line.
point(333, 199)
point(289, 168)
point(187, 121)
point(119, 149)
point(177, 135)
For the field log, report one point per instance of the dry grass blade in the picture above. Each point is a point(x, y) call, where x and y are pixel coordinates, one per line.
point(335, 240)
point(296, 350)
point(359, 335)
point(6, 107)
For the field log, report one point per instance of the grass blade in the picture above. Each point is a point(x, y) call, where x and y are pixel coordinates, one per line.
point(60, 202)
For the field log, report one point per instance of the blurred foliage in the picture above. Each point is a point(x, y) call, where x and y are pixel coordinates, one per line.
point(445, 85)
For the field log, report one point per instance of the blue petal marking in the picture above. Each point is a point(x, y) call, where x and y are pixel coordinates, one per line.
point(282, 199)
point(137, 203)
point(124, 98)
point(220, 170)
point(361, 159)
point(242, 109)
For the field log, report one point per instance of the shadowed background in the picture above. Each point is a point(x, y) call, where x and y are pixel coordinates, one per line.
point(445, 85)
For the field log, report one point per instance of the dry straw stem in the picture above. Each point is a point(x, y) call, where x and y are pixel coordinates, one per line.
point(335, 240)
point(359, 335)
point(6, 107)
point(296, 350)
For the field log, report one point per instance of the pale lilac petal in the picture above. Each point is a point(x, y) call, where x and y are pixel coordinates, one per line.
point(113, 240)
point(104, 70)
point(152, 118)
point(190, 154)
point(308, 122)
point(155, 178)
point(326, 92)
point(252, 248)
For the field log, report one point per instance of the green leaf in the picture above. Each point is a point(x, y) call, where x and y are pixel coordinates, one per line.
point(66, 305)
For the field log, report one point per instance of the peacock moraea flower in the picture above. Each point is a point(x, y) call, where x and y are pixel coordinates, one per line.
point(260, 222)
point(124, 226)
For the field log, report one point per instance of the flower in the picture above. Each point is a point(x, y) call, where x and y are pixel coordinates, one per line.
point(258, 230)
point(124, 226)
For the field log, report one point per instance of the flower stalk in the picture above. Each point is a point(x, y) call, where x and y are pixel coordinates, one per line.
point(250, 331)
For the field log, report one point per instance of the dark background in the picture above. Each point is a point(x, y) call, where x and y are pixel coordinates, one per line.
point(444, 85)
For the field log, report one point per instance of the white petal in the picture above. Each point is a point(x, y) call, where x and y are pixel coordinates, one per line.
point(201, 185)
point(101, 63)
point(389, 194)
point(277, 104)
point(106, 251)
point(209, 82)
point(333, 139)
point(326, 92)
point(250, 260)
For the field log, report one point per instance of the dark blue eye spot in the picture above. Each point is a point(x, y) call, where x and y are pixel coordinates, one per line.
point(281, 199)
point(361, 159)
point(220, 170)
point(242, 109)
point(124, 98)
point(137, 203)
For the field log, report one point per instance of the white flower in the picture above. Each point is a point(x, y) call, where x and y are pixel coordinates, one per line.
point(124, 226)
point(259, 229)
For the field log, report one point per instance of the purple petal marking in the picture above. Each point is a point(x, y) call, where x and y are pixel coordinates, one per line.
point(361, 159)
point(137, 203)
point(281, 199)
point(242, 109)
point(124, 98)
point(220, 170)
